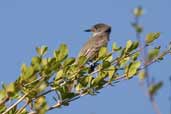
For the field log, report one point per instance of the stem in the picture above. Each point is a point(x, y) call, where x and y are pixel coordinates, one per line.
point(44, 93)
point(155, 106)
point(147, 63)
point(22, 108)
point(16, 103)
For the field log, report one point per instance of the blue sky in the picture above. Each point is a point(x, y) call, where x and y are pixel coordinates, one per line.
point(25, 24)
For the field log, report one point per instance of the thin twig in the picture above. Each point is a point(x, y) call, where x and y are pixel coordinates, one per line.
point(16, 103)
point(155, 106)
point(44, 93)
point(147, 63)
point(22, 108)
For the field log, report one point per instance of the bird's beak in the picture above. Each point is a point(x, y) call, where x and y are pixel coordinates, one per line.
point(88, 30)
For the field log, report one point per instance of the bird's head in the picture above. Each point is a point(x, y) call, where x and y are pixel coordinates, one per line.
point(99, 28)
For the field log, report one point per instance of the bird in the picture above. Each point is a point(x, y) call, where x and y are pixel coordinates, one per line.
point(99, 38)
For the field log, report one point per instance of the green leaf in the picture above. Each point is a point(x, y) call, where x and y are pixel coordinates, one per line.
point(29, 72)
point(81, 60)
point(11, 90)
point(115, 47)
point(2, 94)
point(36, 60)
point(102, 52)
point(111, 72)
point(84, 82)
point(134, 45)
point(65, 94)
point(123, 52)
point(105, 64)
point(61, 53)
point(68, 96)
point(54, 65)
point(131, 70)
point(151, 37)
point(63, 49)
point(36, 63)
point(138, 11)
point(152, 54)
point(40, 105)
point(2, 108)
point(109, 57)
point(23, 68)
point(41, 50)
point(10, 87)
point(59, 74)
point(130, 46)
point(135, 56)
point(26, 71)
point(124, 61)
point(69, 61)
point(87, 80)
point(79, 87)
point(42, 87)
point(44, 61)
point(137, 27)
point(99, 80)
point(142, 75)
point(155, 87)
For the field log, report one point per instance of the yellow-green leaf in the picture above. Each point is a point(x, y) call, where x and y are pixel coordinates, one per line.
point(81, 60)
point(41, 50)
point(2, 94)
point(99, 79)
point(23, 68)
point(61, 53)
point(124, 61)
point(153, 53)
point(115, 47)
point(132, 69)
point(106, 64)
point(40, 105)
point(111, 71)
point(138, 28)
point(135, 56)
point(155, 87)
point(142, 75)
point(151, 37)
point(29, 72)
point(59, 74)
point(36, 60)
point(138, 11)
point(135, 45)
point(102, 52)
point(128, 45)
point(79, 87)
point(69, 61)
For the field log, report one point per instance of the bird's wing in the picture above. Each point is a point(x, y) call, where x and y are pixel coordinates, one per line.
point(92, 46)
